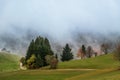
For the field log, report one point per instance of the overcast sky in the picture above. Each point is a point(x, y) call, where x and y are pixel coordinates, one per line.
point(59, 17)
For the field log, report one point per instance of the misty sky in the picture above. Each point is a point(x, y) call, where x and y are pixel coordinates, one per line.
point(59, 17)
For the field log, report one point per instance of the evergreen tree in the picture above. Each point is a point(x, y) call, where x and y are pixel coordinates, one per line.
point(84, 50)
point(40, 47)
point(47, 43)
point(39, 61)
point(48, 47)
point(67, 54)
point(56, 56)
point(30, 50)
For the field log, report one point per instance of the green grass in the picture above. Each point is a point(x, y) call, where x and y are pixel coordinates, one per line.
point(105, 74)
point(100, 62)
point(40, 75)
point(8, 62)
point(105, 69)
point(102, 74)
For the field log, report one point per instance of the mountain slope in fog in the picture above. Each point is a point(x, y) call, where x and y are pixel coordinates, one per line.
point(18, 42)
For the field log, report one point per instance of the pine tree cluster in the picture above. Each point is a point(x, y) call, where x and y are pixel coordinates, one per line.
point(39, 48)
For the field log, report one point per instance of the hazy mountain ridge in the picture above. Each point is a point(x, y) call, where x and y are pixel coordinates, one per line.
point(19, 42)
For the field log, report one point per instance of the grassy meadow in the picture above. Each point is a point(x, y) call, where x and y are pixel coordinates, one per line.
point(103, 67)
point(99, 62)
point(40, 74)
point(8, 62)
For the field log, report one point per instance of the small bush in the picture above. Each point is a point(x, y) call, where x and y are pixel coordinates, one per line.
point(31, 62)
point(22, 60)
point(52, 61)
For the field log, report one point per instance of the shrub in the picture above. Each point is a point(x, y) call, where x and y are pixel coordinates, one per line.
point(52, 61)
point(31, 62)
point(22, 60)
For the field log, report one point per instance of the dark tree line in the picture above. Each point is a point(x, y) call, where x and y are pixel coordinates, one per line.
point(88, 52)
point(40, 54)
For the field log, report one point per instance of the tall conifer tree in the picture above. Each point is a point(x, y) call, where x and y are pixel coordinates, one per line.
point(67, 54)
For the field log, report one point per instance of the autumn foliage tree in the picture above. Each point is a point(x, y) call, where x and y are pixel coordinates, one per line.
point(31, 63)
point(52, 61)
point(104, 48)
point(89, 52)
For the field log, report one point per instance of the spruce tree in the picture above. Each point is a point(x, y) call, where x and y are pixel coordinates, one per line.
point(67, 54)
point(84, 50)
point(30, 50)
point(56, 56)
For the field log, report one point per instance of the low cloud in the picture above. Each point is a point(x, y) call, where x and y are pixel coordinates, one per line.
point(23, 20)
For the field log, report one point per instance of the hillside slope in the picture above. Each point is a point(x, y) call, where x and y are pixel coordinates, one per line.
point(8, 62)
point(99, 62)
point(105, 69)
